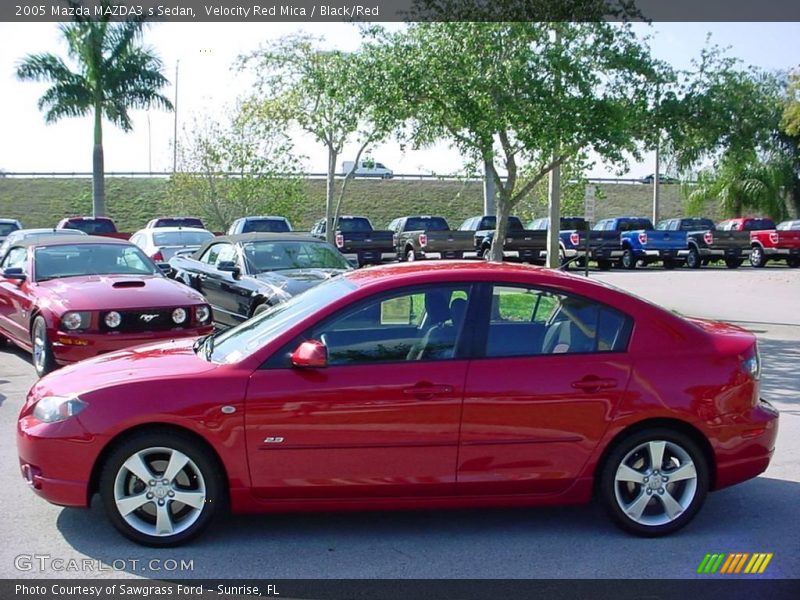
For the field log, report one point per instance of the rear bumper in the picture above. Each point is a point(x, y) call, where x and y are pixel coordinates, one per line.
point(74, 346)
point(783, 252)
point(669, 253)
point(724, 253)
point(443, 254)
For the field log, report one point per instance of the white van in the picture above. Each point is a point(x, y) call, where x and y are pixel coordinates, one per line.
point(368, 168)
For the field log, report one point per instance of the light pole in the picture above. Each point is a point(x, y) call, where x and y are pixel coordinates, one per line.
point(175, 123)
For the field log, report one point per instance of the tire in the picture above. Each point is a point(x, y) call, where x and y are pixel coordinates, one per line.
point(645, 499)
point(793, 262)
point(199, 481)
point(733, 263)
point(604, 265)
point(410, 255)
point(43, 359)
point(693, 260)
point(261, 308)
point(628, 260)
point(757, 257)
point(669, 264)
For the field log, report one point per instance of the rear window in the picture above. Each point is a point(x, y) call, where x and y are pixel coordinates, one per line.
point(359, 224)
point(6, 228)
point(758, 224)
point(182, 238)
point(696, 224)
point(634, 224)
point(578, 223)
point(427, 224)
point(92, 225)
point(266, 226)
point(180, 222)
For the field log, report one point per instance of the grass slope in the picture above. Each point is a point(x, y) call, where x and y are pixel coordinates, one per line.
point(42, 202)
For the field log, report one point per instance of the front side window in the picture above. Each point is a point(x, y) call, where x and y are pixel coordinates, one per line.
point(423, 324)
point(16, 259)
point(218, 253)
point(262, 257)
point(530, 321)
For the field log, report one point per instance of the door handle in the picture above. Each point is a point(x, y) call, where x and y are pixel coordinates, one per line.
point(428, 391)
point(593, 384)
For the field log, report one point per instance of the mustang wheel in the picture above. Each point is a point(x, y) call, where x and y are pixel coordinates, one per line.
point(161, 489)
point(654, 482)
point(43, 359)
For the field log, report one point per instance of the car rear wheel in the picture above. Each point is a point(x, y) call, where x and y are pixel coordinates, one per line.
point(793, 262)
point(628, 259)
point(43, 359)
point(411, 255)
point(161, 489)
point(261, 308)
point(654, 482)
point(693, 260)
point(757, 258)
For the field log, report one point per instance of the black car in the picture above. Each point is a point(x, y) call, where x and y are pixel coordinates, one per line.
point(242, 275)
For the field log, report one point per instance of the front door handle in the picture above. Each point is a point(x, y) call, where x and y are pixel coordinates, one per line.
point(593, 384)
point(428, 390)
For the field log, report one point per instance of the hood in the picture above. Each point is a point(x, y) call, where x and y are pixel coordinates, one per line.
point(121, 292)
point(174, 359)
point(294, 281)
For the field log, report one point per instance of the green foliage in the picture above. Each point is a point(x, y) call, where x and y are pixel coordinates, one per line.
point(791, 111)
point(244, 166)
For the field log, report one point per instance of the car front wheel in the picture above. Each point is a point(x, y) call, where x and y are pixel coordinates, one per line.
point(43, 359)
point(654, 482)
point(757, 257)
point(161, 488)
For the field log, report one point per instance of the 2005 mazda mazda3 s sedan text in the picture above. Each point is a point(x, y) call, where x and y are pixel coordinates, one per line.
point(410, 386)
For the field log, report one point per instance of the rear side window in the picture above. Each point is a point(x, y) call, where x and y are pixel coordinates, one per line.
point(529, 322)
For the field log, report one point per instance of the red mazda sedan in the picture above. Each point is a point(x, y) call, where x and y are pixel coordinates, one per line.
point(408, 386)
point(66, 298)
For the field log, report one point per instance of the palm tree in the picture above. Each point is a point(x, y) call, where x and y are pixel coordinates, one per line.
point(114, 74)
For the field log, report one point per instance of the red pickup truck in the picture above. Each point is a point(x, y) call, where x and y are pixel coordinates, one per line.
point(781, 243)
point(93, 226)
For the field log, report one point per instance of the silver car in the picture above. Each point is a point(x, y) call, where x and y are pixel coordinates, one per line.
point(162, 243)
point(33, 235)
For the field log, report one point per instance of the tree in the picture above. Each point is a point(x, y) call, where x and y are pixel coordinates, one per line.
point(242, 166)
point(112, 74)
point(791, 112)
point(524, 96)
point(328, 94)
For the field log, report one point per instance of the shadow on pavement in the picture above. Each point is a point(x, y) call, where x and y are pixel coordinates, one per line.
point(780, 379)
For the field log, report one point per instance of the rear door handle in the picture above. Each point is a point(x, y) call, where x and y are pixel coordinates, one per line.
point(428, 391)
point(593, 384)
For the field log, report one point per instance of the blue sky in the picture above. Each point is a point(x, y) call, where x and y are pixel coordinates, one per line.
point(207, 85)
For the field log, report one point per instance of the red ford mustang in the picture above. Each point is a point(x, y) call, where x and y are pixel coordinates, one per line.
point(66, 299)
point(454, 384)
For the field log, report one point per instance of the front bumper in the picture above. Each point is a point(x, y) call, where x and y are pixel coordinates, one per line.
point(69, 347)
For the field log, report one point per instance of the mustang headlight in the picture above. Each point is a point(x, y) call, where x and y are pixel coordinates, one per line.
point(52, 409)
point(113, 319)
point(75, 320)
point(179, 316)
point(202, 313)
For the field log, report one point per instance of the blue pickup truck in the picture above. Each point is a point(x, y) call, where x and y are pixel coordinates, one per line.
point(571, 235)
point(640, 242)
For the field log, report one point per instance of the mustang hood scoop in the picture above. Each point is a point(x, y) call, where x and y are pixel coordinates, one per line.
point(128, 284)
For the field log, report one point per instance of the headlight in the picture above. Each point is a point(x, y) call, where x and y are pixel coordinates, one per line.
point(113, 319)
point(179, 315)
point(75, 320)
point(52, 409)
point(202, 313)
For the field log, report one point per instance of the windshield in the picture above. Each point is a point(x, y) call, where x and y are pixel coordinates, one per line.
point(6, 228)
point(427, 224)
point(74, 260)
point(266, 226)
point(91, 225)
point(265, 256)
point(182, 238)
point(359, 224)
point(237, 343)
point(179, 222)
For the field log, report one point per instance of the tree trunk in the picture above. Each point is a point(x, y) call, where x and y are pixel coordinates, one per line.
point(503, 210)
point(330, 217)
point(98, 169)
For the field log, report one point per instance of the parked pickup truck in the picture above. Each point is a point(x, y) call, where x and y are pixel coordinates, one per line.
point(263, 224)
point(781, 243)
point(356, 239)
point(519, 243)
point(729, 241)
point(605, 239)
point(572, 234)
point(420, 237)
point(103, 226)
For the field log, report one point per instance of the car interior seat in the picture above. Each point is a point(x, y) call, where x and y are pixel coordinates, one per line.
point(439, 336)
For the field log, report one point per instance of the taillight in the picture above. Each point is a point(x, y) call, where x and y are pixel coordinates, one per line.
point(574, 239)
point(158, 257)
point(773, 237)
point(339, 240)
point(643, 238)
point(423, 240)
point(708, 238)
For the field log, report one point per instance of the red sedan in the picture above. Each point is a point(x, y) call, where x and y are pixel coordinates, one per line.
point(423, 385)
point(66, 299)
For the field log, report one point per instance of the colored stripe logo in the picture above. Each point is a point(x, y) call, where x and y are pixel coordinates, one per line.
point(735, 563)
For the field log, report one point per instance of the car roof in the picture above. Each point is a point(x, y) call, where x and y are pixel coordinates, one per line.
point(46, 230)
point(59, 240)
point(155, 230)
point(9, 221)
point(256, 236)
point(263, 217)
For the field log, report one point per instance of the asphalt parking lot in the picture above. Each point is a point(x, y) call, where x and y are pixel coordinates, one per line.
point(574, 542)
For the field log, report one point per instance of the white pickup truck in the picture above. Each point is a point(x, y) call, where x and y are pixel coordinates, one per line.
point(368, 168)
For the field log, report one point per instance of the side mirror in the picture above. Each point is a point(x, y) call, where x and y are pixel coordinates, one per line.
point(310, 354)
point(15, 273)
point(228, 266)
